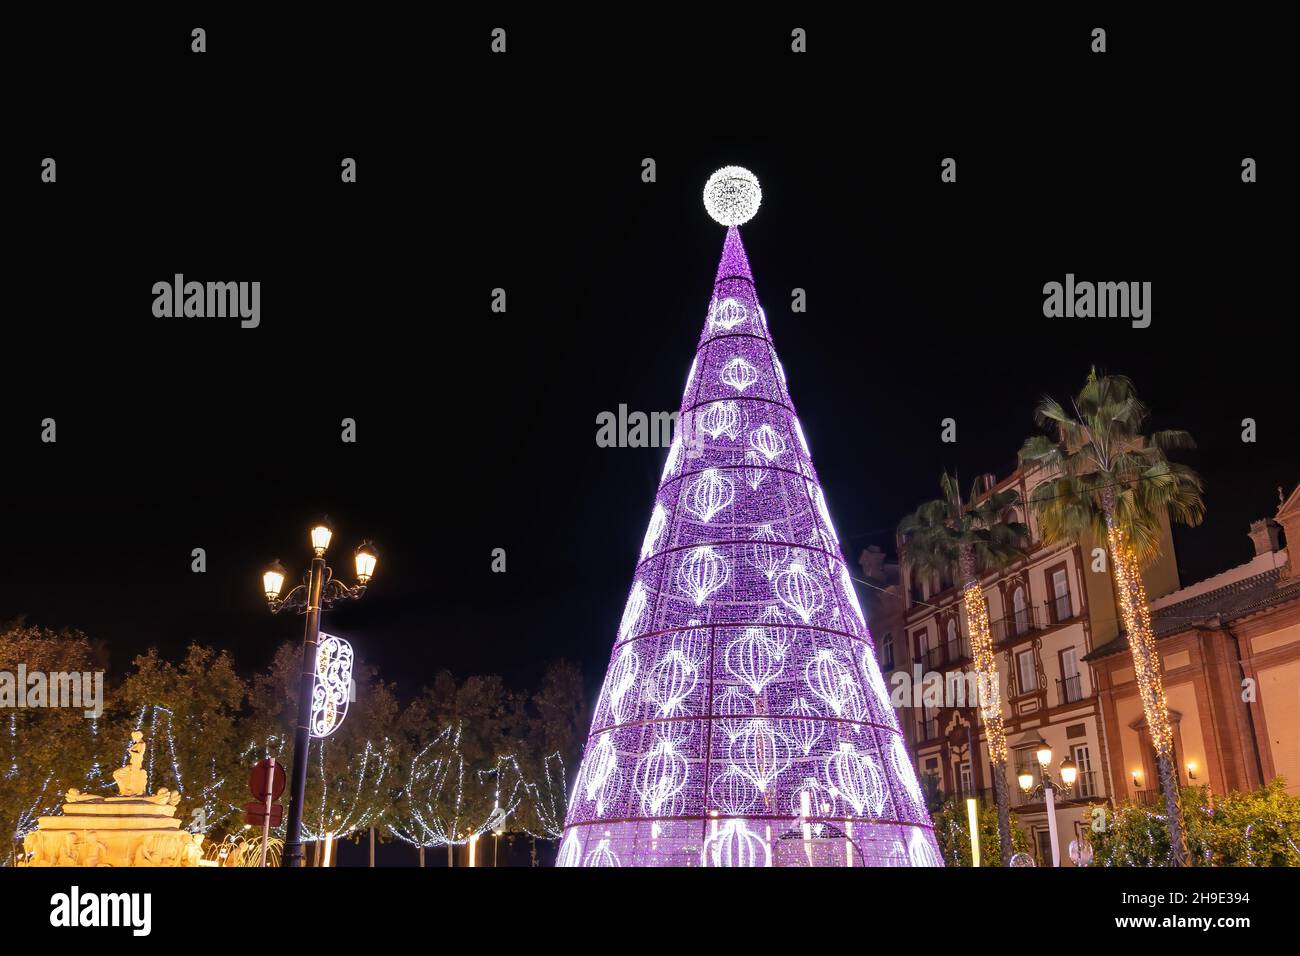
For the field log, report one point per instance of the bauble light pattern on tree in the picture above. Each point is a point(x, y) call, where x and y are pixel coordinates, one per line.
point(743, 720)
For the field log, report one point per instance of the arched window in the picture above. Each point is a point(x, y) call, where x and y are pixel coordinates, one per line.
point(952, 639)
point(1020, 609)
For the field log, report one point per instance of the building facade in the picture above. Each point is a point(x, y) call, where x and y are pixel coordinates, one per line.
point(1230, 649)
point(1048, 612)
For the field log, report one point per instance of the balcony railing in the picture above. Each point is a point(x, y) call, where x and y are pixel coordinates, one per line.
point(1148, 797)
point(931, 660)
point(1070, 689)
point(946, 655)
point(1018, 624)
point(957, 651)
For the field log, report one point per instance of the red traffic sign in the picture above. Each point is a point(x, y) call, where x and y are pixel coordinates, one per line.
point(255, 814)
point(267, 779)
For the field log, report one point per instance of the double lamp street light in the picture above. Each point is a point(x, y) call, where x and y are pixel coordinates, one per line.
point(318, 590)
point(1047, 787)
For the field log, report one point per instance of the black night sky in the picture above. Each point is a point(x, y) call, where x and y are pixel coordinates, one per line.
point(477, 431)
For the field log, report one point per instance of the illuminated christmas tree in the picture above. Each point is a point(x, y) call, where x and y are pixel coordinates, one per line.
point(743, 720)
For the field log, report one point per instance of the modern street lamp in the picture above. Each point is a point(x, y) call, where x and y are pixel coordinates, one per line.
point(1048, 788)
point(319, 590)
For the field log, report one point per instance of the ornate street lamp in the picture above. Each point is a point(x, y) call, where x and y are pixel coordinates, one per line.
point(1047, 788)
point(319, 590)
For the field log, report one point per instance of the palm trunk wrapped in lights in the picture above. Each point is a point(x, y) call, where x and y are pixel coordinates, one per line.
point(1136, 615)
point(961, 540)
point(981, 640)
point(1107, 478)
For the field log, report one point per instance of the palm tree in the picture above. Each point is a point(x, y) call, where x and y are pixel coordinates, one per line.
point(1115, 483)
point(961, 541)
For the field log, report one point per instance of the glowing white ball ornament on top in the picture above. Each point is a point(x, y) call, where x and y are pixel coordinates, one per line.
point(732, 196)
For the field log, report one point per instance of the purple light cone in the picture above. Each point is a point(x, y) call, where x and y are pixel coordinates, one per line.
point(743, 720)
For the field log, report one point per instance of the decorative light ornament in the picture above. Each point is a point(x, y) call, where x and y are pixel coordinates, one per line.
point(921, 852)
point(693, 643)
point(702, 573)
point(753, 659)
point(721, 418)
point(598, 770)
point(710, 493)
point(570, 851)
point(766, 440)
point(904, 771)
point(621, 679)
point(754, 470)
point(739, 374)
point(735, 709)
point(602, 856)
point(732, 195)
point(778, 627)
point(658, 518)
point(857, 778)
point(806, 728)
point(831, 680)
point(671, 681)
point(732, 793)
point(636, 603)
point(799, 591)
point(660, 776)
point(871, 673)
point(332, 686)
point(767, 553)
point(727, 315)
point(761, 753)
point(674, 458)
point(734, 844)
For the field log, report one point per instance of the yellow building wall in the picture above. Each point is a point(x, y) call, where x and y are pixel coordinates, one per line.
point(1182, 698)
point(1127, 711)
point(1279, 696)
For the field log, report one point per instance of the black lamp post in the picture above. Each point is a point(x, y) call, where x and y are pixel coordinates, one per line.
point(319, 590)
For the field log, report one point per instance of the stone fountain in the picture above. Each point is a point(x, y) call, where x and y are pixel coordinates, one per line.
point(130, 829)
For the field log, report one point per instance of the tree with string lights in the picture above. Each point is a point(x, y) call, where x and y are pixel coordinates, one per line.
point(1116, 484)
point(43, 750)
point(961, 541)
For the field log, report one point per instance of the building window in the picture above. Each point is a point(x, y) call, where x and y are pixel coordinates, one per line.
point(1020, 610)
point(887, 653)
point(1044, 840)
point(953, 640)
point(1087, 782)
point(922, 641)
point(1026, 671)
point(1058, 586)
point(1071, 682)
point(967, 779)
